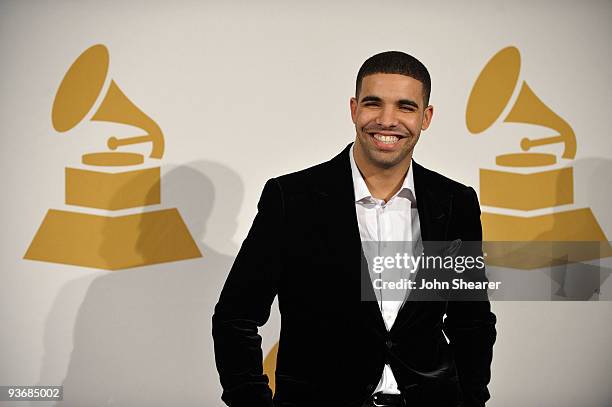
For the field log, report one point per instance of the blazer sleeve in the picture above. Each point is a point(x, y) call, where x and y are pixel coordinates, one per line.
point(244, 305)
point(470, 325)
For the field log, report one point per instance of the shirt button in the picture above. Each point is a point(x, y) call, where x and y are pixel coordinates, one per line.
point(389, 343)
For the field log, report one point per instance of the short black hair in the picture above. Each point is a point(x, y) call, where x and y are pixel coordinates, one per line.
point(395, 62)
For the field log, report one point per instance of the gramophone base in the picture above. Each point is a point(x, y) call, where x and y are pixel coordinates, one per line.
point(112, 243)
point(543, 241)
point(113, 190)
point(537, 190)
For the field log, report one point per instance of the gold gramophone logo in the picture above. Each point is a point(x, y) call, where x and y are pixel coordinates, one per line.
point(528, 180)
point(110, 181)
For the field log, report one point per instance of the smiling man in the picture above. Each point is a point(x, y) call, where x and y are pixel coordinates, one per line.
point(340, 345)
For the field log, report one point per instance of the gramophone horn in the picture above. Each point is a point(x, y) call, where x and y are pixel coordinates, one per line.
point(80, 89)
point(492, 92)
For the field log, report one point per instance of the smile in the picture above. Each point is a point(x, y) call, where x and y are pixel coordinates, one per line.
point(386, 139)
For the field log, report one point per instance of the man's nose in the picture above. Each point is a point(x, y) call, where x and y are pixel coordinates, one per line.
point(387, 118)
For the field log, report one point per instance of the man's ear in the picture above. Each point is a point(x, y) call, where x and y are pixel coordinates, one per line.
point(427, 115)
point(353, 109)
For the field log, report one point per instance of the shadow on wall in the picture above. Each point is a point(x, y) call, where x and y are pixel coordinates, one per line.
point(142, 336)
point(594, 187)
point(591, 190)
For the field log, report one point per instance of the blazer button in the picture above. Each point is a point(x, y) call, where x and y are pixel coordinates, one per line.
point(389, 343)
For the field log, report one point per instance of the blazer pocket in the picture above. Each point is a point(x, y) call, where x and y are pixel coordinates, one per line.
point(453, 248)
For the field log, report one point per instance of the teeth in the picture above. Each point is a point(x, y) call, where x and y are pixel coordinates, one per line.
point(386, 139)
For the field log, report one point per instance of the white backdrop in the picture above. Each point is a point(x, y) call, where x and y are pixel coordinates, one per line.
point(245, 91)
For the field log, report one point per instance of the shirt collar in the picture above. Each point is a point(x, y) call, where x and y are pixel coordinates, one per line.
point(362, 191)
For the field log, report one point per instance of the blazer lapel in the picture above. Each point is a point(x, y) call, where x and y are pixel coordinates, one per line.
point(344, 231)
point(432, 216)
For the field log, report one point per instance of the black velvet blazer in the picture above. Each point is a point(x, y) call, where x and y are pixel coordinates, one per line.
point(304, 246)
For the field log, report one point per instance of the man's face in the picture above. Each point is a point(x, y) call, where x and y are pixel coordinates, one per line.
point(389, 117)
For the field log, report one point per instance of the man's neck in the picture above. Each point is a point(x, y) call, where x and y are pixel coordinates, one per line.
point(382, 183)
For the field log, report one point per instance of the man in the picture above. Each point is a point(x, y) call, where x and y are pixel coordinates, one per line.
point(336, 347)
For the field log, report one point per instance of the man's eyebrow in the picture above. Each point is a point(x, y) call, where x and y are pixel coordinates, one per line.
point(403, 102)
point(371, 99)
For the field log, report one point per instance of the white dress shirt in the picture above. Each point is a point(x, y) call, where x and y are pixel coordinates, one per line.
point(379, 221)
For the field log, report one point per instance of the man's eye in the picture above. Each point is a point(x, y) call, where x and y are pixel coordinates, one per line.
point(407, 108)
point(370, 104)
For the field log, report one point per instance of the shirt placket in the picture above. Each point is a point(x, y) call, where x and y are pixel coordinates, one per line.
point(383, 232)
